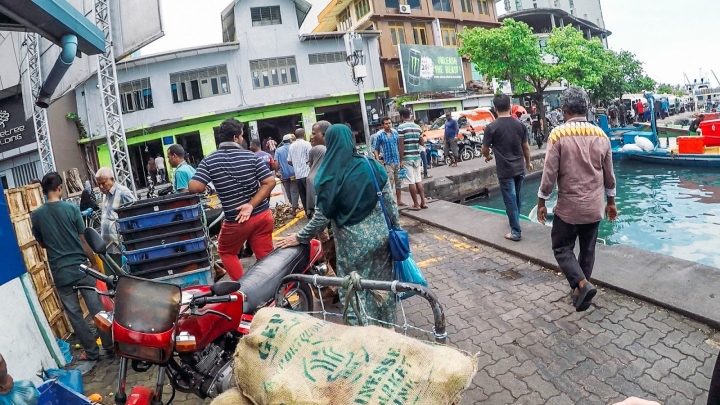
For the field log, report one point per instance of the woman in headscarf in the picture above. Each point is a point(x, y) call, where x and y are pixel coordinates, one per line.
point(346, 197)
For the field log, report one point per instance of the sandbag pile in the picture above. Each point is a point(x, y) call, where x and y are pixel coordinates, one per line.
point(293, 358)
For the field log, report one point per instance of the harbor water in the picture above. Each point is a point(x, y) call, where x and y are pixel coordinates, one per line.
point(673, 211)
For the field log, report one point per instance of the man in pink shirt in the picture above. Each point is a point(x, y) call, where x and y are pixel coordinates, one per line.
point(579, 160)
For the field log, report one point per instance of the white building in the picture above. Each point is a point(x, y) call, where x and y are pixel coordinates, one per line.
point(590, 10)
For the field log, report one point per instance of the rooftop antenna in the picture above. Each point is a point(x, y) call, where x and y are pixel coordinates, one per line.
point(716, 79)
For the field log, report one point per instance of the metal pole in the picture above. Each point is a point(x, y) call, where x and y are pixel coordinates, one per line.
point(363, 107)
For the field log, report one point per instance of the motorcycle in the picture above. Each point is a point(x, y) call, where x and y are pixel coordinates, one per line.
point(152, 192)
point(475, 138)
point(465, 148)
point(436, 153)
point(191, 334)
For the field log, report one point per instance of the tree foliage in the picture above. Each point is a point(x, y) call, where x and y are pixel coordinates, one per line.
point(663, 88)
point(621, 73)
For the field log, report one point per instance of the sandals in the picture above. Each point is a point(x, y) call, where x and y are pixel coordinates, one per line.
point(84, 357)
point(509, 236)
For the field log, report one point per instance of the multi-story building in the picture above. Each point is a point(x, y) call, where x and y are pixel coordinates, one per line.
point(426, 22)
point(590, 10)
point(265, 74)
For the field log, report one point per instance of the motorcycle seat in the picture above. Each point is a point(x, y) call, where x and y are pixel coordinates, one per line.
point(262, 280)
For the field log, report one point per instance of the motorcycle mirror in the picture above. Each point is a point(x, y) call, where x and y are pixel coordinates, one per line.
point(95, 241)
point(225, 288)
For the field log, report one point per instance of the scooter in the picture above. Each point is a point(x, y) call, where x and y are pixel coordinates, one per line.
point(191, 334)
point(436, 153)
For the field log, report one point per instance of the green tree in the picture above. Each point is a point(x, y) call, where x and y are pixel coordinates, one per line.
point(512, 52)
point(622, 73)
point(664, 88)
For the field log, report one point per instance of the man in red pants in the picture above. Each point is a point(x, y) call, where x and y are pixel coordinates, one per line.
point(243, 183)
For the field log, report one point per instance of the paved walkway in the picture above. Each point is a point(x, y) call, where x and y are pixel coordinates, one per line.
point(532, 347)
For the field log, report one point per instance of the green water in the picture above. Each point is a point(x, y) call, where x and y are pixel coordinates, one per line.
point(673, 211)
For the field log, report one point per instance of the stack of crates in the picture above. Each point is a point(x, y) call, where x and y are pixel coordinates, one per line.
point(164, 239)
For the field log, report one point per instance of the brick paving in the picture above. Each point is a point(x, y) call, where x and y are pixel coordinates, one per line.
point(532, 347)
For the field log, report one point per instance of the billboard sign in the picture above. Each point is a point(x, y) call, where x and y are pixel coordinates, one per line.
point(431, 68)
point(15, 130)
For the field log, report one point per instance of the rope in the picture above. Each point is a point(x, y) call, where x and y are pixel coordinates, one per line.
point(351, 283)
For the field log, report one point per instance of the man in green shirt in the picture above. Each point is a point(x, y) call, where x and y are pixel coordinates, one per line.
point(410, 138)
point(58, 227)
point(183, 171)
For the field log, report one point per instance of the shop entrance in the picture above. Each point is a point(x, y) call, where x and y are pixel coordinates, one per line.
point(278, 127)
point(139, 157)
point(348, 114)
point(193, 147)
point(429, 116)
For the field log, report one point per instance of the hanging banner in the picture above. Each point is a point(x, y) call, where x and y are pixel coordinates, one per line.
point(431, 68)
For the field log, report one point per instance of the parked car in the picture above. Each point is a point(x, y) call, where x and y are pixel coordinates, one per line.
point(469, 121)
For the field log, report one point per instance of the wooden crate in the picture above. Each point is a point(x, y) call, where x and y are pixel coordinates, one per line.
point(33, 196)
point(32, 255)
point(23, 230)
point(84, 307)
point(41, 278)
point(16, 202)
point(60, 326)
point(50, 303)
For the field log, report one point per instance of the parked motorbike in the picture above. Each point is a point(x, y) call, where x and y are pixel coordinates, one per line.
point(466, 149)
point(152, 192)
point(436, 153)
point(191, 334)
point(475, 138)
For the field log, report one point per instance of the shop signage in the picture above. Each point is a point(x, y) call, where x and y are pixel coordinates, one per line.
point(431, 68)
point(15, 131)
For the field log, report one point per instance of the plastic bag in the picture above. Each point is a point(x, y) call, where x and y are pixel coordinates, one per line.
point(65, 349)
point(408, 271)
point(71, 378)
point(22, 393)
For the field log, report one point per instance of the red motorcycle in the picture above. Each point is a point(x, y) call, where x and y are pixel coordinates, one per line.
point(191, 334)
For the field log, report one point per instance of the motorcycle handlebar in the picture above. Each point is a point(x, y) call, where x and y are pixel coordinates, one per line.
point(215, 300)
point(96, 275)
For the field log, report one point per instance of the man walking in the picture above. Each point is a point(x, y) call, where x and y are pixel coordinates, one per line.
point(409, 134)
point(451, 132)
point(387, 143)
point(579, 160)
point(266, 157)
point(58, 228)
point(160, 164)
point(152, 169)
point(115, 195)
point(298, 157)
point(287, 173)
point(183, 171)
point(509, 142)
point(243, 184)
point(270, 146)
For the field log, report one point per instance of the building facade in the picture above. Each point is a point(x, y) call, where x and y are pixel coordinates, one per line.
point(590, 10)
point(265, 75)
point(424, 22)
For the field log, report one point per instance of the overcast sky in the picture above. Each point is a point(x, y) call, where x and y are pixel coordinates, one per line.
point(671, 37)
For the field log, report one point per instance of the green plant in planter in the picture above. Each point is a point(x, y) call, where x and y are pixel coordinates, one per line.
point(79, 124)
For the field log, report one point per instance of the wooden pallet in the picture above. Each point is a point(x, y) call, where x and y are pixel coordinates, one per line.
point(33, 197)
point(41, 278)
point(60, 326)
point(23, 230)
point(32, 255)
point(16, 202)
point(50, 303)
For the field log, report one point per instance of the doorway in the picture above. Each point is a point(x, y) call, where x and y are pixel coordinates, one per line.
point(276, 128)
point(139, 157)
point(193, 147)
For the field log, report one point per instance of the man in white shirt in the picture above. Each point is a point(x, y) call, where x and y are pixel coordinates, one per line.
point(298, 159)
point(160, 163)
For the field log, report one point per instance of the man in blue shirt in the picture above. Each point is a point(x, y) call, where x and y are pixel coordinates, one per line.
point(183, 171)
point(451, 132)
point(386, 143)
point(287, 173)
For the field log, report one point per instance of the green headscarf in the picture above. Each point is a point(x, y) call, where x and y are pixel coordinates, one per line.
point(344, 186)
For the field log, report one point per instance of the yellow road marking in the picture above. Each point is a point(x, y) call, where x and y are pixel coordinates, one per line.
point(424, 263)
point(288, 225)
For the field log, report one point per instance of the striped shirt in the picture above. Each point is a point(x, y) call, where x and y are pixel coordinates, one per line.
point(410, 133)
point(117, 196)
point(299, 156)
point(236, 174)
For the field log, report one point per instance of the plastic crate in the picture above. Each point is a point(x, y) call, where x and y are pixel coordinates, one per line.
point(190, 279)
point(164, 203)
point(169, 249)
point(158, 238)
point(54, 392)
point(166, 229)
point(168, 265)
point(692, 145)
point(158, 218)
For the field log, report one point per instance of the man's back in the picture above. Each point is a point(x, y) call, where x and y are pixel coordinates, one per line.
point(411, 133)
point(281, 154)
point(506, 137)
point(266, 157)
point(451, 129)
point(57, 226)
point(299, 155)
point(160, 163)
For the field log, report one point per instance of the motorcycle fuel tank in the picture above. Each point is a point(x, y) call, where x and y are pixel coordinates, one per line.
point(209, 327)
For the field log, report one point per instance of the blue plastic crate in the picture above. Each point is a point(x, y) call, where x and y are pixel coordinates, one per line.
point(54, 392)
point(158, 218)
point(170, 249)
point(191, 278)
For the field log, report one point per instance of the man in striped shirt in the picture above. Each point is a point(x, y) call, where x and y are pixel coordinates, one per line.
point(243, 183)
point(410, 134)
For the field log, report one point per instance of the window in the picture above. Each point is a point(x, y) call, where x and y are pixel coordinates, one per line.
point(331, 57)
point(392, 3)
point(274, 72)
point(362, 7)
point(448, 34)
point(441, 5)
point(419, 34)
point(136, 95)
point(397, 33)
point(414, 4)
point(475, 74)
point(344, 20)
point(518, 5)
point(24, 174)
point(572, 4)
point(199, 83)
point(466, 6)
point(401, 82)
point(483, 7)
point(265, 16)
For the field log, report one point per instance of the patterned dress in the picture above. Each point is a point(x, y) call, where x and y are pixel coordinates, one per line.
point(364, 248)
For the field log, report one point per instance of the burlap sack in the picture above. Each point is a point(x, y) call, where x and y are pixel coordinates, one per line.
point(232, 397)
point(293, 358)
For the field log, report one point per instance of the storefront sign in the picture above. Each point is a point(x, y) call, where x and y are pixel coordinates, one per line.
point(435, 105)
point(431, 68)
point(15, 131)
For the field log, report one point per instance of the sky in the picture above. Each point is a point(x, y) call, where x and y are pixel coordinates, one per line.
point(669, 38)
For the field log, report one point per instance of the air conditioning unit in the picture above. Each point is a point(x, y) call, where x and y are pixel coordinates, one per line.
point(405, 9)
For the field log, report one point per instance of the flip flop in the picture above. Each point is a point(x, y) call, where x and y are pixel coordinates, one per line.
point(509, 236)
point(402, 205)
point(424, 207)
point(83, 357)
point(414, 209)
point(587, 293)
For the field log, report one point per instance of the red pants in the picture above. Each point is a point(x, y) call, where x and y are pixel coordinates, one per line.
point(257, 231)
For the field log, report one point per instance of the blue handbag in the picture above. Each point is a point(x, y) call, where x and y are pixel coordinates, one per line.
point(399, 240)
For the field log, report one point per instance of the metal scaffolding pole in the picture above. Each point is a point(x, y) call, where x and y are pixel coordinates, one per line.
point(40, 118)
point(107, 79)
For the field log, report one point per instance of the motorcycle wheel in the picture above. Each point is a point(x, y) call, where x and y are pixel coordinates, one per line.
point(477, 151)
point(300, 298)
point(448, 161)
point(434, 162)
point(466, 154)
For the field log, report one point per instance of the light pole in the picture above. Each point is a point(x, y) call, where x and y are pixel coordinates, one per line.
point(356, 60)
